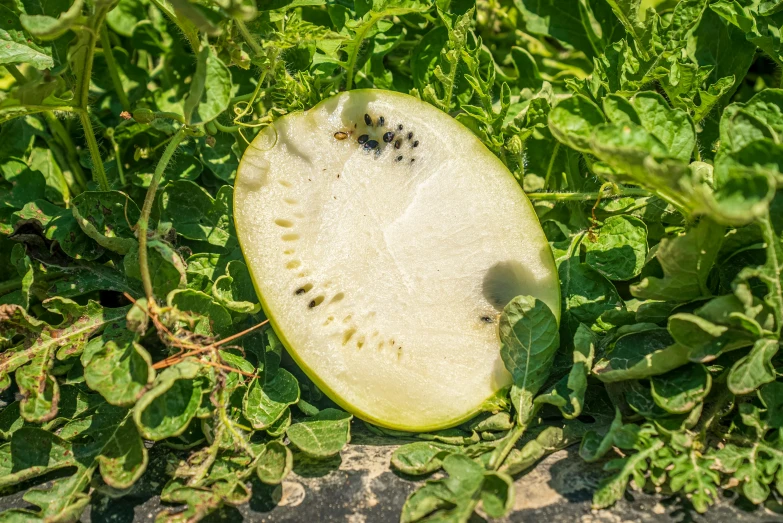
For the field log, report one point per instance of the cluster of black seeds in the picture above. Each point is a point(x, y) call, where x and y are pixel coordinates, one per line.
point(393, 138)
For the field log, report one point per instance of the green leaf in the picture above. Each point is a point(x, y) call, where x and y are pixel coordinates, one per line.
point(16, 47)
point(572, 122)
point(569, 21)
point(212, 318)
point(26, 185)
point(672, 127)
point(633, 467)
point(322, 435)
point(497, 494)
point(496, 422)
point(222, 158)
point(41, 344)
point(706, 340)
point(195, 215)
point(594, 447)
point(40, 390)
point(167, 408)
point(448, 498)
point(755, 369)
point(585, 293)
point(547, 441)
point(108, 218)
point(24, 267)
point(121, 370)
point(265, 402)
point(124, 17)
point(210, 89)
point(686, 262)
point(167, 269)
point(529, 338)
point(64, 500)
point(274, 463)
point(620, 249)
point(33, 452)
point(48, 28)
point(421, 457)
point(123, 457)
point(640, 355)
point(235, 289)
point(65, 230)
point(680, 390)
point(692, 474)
point(568, 394)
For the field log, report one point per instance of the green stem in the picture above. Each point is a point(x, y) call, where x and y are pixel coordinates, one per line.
point(108, 54)
point(353, 54)
point(775, 266)
point(226, 128)
point(117, 159)
point(212, 453)
point(239, 439)
point(586, 196)
point(710, 413)
point(10, 285)
point(98, 172)
point(243, 30)
point(146, 210)
point(450, 88)
point(15, 284)
point(551, 164)
point(33, 109)
point(500, 454)
point(60, 134)
point(16, 73)
point(83, 94)
point(249, 103)
point(696, 152)
point(171, 116)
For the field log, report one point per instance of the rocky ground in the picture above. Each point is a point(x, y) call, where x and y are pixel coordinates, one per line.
point(359, 487)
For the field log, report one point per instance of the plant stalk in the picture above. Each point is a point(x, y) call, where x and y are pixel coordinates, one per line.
point(500, 454)
point(146, 210)
point(16, 73)
point(586, 196)
point(98, 172)
point(60, 134)
point(245, 32)
point(83, 94)
point(108, 54)
point(353, 55)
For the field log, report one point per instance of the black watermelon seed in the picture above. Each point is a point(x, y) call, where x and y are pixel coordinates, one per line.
point(372, 144)
point(416, 143)
point(340, 135)
point(363, 138)
point(413, 160)
point(398, 159)
point(367, 119)
point(399, 127)
point(388, 137)
point(311, 304)
point(410, 135)
point(300, 291)
point(397, 144)
point(381, 121)
point(487, 319)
